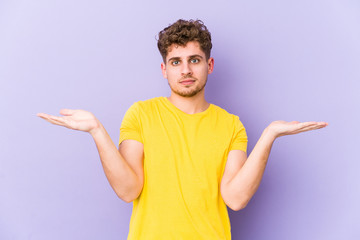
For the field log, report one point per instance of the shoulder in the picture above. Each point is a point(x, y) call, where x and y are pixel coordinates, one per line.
point(146, 106)
point(150, 102)
point(225, 114)
point(231, 120)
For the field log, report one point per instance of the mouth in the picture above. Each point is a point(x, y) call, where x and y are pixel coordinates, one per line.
point(187, 81)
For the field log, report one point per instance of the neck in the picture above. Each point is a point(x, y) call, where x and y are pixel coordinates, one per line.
point(189, 105)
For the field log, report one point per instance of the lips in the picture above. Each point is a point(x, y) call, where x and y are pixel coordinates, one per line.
point(187, 81)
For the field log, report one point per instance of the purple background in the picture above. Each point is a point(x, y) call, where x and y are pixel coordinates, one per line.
point(290, 60)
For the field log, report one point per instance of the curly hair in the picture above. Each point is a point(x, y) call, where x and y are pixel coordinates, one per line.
point(181, 32)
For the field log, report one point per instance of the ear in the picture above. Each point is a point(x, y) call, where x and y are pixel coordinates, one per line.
point(210, 65)
point(163, 69)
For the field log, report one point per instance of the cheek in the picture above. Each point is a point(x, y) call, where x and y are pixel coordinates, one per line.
point(171, 74)
point(204, 71)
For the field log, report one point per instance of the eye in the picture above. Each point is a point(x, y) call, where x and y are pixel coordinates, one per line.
point(194, 60)
point(176, 62)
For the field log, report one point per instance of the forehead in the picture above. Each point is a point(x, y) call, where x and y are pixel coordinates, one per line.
point(191, 48)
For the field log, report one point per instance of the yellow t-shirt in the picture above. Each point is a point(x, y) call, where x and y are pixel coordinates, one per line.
point(184, 160)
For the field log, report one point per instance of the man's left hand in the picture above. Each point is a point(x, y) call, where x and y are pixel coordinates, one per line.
point(282, 128)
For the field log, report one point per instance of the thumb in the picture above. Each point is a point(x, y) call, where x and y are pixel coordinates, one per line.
point(67, 112)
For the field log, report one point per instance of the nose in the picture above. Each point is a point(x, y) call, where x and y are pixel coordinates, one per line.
point(186, 69)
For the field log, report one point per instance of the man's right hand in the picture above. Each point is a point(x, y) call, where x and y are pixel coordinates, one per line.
point(74, 119)
point(124, 167)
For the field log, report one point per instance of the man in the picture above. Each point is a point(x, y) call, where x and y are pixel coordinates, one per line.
point(181, 160)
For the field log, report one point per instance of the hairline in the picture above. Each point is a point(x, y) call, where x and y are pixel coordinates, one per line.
point(184, 45)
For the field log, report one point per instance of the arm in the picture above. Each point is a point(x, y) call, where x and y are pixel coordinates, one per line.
point(124, 167)
point(242, 176)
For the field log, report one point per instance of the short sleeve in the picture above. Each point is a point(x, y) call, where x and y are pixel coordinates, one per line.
point(239, 140)
point(130, 126)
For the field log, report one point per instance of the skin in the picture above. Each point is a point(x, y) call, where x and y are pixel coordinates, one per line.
point(187, 63)
point(123, 167)
point(186, 69)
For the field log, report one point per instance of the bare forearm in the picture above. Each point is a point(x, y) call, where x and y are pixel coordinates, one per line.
point(238, 187)
point(122, 178)
point(118, 172)
point(245, 183)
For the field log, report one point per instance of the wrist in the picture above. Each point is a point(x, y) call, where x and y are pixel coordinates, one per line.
point(97, 129)
point(269, 133)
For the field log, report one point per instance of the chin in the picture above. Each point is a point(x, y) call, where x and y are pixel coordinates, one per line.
point(189, 94)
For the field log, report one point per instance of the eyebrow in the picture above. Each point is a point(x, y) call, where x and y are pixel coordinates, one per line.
point(190, 57)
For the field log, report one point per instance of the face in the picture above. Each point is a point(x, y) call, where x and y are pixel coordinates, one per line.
point(187, 69)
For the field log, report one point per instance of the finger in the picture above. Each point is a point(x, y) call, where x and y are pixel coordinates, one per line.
point(305, 126)
point(323, 123)
point(314, 122)
point(61, 122)
point(318, 126)
point(67, 112)
point(309, 128)
point(308, 124)
point(302, 125)
point(44, 115)
point(53, 121)
point(58, 119)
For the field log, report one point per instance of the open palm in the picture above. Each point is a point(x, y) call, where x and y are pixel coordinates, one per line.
point(282, 128)
point(74, 119)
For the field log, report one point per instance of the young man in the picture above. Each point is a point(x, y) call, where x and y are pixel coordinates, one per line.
point(181, 160)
